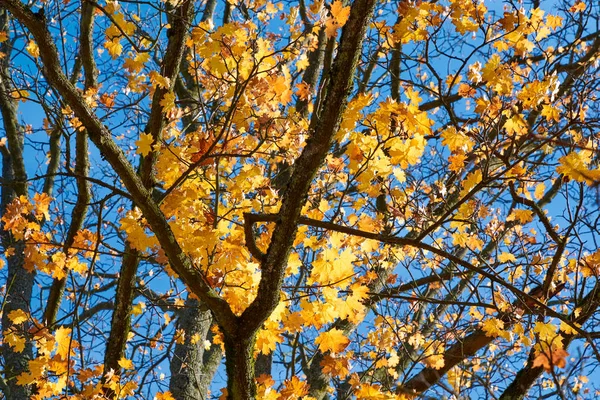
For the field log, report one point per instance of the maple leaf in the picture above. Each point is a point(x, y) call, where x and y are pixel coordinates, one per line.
point(493, 327)
point(108, 100)
point(457, 162)
point(168, 102)
point(159, 81)
point(336, 366)
point(144, 144)
point(339, 16)
point(19, 94)
point(125, 363)
point(523, 216)
point(138, 309)
point(136, 64)
point(579, 6)
point(73, 264)
point(554, 21)
point(17, 317)
point(26, 379)
point(57, 265)
point(566, 328)
point(551, 112)
point(369, 392)
point(267, 339)
point(14, 340)
point(550, 359)
point(574, 166)
point(63, 342)
point(506, 257)
point(114, 47)
point(545, 331)
point(294, 322)
point(33, 49)
point(435, 361)
point(340, 13)
point(294, 389)
point(456, 140)
point(472, 180)
point(333, 340)
point(164, 396)
point(303, 91)
point(41, 203)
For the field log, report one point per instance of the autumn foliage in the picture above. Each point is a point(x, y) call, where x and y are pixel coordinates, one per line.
point(301, 199)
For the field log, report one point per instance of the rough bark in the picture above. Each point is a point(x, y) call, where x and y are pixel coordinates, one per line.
point(190, 379)
point(121, 318)
point(239, 364)
point(19, 282)
point(18, 297)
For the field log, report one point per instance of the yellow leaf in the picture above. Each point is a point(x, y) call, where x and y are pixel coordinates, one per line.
point(336, 366)
point(3, 36)
point(294, 389)
point(168, 102)
point(164, 396)
point(159, 81)
point(472, 180)
point(267, 339)
point(493, 327)
point(332, 340)
point(136, 64)
point(63, 342)
point(370, 392)
point(114, 47)
point(36, 370)
point(566, 328)
point(18, 316)
point(125, 363)
point(539, 191)
point(41, 205)
point(457, 162)
point(550, 112)
point(456, 140)
point(554, 21)
point(144, 144)
point(545, 331)
point(138, 308)
point(340, 13)
point(523, 216)
point(506, 257)
point(19, 94)
point(580, 6)
point(33, 49)
point(25, 379)
point(17, 342)
point(574, 166)
point(73, 264)
point(435, 361)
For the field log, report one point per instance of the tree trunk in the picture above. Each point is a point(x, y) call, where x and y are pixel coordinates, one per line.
point(190, 378)
point(19, 282)
point(19, 288)
point(239, 364)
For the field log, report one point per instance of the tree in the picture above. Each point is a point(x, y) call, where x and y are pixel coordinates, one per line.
point(331, 199)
